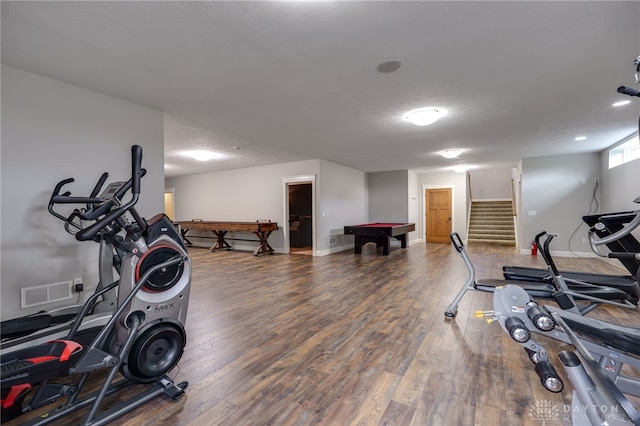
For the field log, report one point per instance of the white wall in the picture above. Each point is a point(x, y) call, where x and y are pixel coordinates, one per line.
point(553, 188)
point(457, 181)
point(258, 193)
point(415, 203)
point(342, 195)
point(52, 131)
point(242, 195)
point(620, 185)
point(491, 184)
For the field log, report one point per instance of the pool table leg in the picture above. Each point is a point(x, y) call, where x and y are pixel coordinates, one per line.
point(358, 244)
point(403, 240)
point(385, 242)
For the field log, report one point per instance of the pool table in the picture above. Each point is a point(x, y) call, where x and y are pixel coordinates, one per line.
point(379, 233)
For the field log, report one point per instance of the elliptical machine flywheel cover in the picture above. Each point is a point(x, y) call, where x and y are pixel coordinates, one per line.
point(164, 278)
point(155, 351)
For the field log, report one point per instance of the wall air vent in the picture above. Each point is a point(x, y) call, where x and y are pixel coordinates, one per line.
point(43, 294)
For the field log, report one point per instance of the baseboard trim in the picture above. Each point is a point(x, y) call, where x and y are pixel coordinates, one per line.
point(587, 254)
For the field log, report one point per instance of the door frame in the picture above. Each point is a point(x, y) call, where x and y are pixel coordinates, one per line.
point(172, 191)
point(424, 189)
point(286, 242)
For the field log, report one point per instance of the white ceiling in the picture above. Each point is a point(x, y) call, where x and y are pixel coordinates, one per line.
point(286, 81)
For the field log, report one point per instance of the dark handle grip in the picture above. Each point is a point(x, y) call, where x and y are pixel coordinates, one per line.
point(56, 190)
point(96, 189)
point(88, 233)
point(537, 238)
point(65, 199)
point(628, 91)
point(136, 167)
point(456, 241)
point(623, 255)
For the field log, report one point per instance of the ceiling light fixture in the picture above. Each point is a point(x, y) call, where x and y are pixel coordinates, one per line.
point(621, 103)
point(425, 116)
point(202, 155)
point(460, 169)
point(451, 153)
point(581, 138)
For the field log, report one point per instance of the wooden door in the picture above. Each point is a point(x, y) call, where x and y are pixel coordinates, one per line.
point(438, 215)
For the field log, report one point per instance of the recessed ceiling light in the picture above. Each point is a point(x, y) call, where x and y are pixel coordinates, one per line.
point(581, 138)
point(425, 116)
point(201, 155)
point(451, 153)
point(621, 103)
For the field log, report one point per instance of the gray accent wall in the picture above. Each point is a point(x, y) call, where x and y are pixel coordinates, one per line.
point(52, 131)
point(394, 197)
point(388, 194)
point(556, 193)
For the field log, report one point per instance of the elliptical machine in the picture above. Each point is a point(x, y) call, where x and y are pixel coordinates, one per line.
point(143, 339)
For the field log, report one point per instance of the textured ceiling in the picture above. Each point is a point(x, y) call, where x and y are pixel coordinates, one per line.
point(285, 81)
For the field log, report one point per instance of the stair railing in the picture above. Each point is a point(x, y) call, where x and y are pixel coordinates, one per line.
point(513, 198)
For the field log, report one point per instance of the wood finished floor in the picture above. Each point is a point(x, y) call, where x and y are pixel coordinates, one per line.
point(354, 340)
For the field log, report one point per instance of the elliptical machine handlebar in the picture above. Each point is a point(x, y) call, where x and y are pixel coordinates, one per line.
point(136, 174)
point(628, 91)
point(456, 241)
point(98, 206)
point(98, 187)
point(136, 168)
point(624, 256)
point(595, 242)
point(544, 249)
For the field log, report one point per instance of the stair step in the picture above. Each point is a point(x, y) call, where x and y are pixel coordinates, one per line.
point(511, 243)
point(492, 219)
point(491, 237)
point(490, 213)
point(484, 232)
point(491, 228)
point(491, 205)
point(496, 207)
point(491, 222)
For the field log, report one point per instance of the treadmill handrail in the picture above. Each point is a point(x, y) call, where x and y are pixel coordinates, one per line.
point(595, 242)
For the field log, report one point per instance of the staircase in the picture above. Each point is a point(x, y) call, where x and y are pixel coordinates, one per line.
point(491, 222)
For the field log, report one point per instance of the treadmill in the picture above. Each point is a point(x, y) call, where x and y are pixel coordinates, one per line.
point(604, 225)
point(593, 295)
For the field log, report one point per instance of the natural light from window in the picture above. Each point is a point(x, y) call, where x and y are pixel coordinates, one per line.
point(628, 150)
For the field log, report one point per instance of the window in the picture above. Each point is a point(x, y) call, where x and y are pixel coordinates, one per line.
point(627, 150)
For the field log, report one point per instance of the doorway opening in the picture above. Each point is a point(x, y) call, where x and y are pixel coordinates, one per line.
point(300, 217)
point(169, 203)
